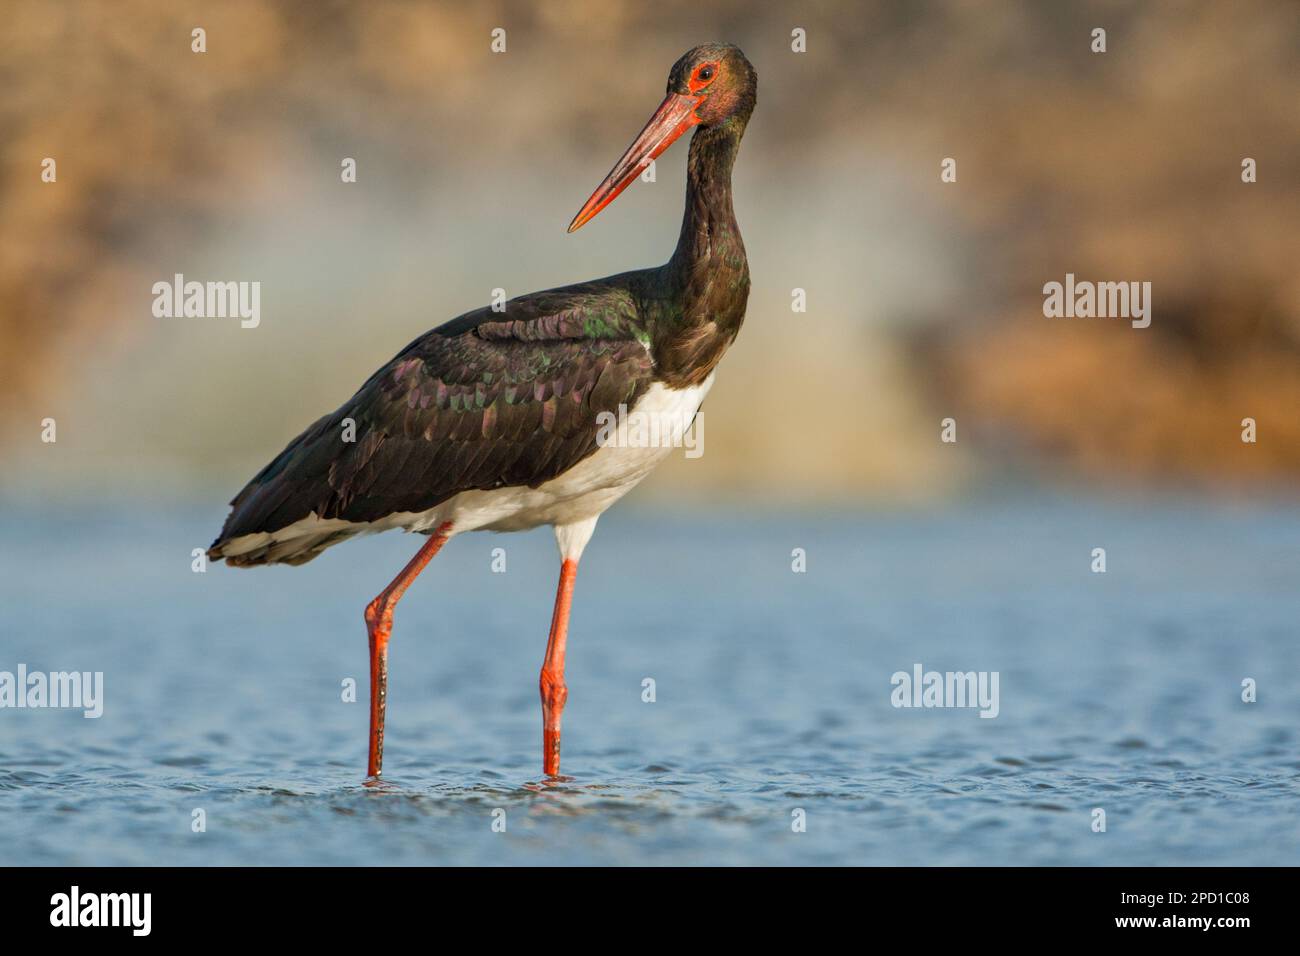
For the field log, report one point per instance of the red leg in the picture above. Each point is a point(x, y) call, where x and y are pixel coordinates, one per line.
point(554, 692)
point(379, 624)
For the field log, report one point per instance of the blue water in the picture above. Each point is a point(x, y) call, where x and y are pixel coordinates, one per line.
point(1119, 691)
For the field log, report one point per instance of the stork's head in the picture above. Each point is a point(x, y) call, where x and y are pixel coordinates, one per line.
point(720, 79)
point(711, 85)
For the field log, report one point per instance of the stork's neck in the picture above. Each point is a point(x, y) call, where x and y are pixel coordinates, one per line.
point(705, 285)
point(709, 265)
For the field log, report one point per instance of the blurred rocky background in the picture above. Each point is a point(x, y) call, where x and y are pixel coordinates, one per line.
point(924, 298)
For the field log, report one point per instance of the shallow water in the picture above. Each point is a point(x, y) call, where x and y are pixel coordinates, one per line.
point(1119, 691)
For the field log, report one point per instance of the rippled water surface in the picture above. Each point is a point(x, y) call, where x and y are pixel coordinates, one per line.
point(223, 692)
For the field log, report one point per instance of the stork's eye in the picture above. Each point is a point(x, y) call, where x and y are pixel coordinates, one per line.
point(706, 73)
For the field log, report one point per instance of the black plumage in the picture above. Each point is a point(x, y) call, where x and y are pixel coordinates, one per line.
point(512, 398)
point(490, 399)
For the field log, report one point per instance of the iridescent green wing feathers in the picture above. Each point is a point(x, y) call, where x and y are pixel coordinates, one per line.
point(488, 400)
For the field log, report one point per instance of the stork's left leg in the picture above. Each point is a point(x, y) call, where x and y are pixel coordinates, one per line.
point(554, 691)
point(379, 625)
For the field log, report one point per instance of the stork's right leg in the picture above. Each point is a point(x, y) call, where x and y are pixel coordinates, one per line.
point(379, 624)
point(554, 691)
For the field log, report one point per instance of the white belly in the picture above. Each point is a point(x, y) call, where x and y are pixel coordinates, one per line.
point(591, 486)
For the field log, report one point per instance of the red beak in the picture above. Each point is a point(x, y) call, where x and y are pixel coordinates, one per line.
point(676, 114)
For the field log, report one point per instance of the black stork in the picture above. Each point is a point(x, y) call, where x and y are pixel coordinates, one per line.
point(493, 421)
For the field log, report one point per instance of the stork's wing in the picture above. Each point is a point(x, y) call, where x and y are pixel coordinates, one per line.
point(487, 400)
